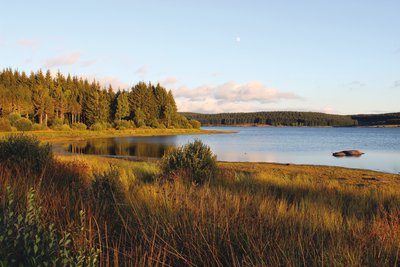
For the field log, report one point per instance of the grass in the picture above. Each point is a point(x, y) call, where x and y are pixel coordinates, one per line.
point(251, 214)
point(60, 136)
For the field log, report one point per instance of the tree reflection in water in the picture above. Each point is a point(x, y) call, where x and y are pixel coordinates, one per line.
point(136, 147)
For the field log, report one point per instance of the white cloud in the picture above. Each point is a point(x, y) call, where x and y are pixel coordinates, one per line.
point(229, 97)
point(67, 59)
point(28, 43)
point(105, 81)
point(88, 63)
point(169, 81)
point(141, 71)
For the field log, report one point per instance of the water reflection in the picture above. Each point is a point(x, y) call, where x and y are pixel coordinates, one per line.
point(283, 145)
point(125, 147)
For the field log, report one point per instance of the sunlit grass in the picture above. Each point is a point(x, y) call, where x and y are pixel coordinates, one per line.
point(58, 136)
point(251, 214)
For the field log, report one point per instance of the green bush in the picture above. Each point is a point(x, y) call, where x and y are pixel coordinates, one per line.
point(100, 126)
point(26, 239)
point(56, 123)
point(193, 162)
point(21, 153)
point(97, 127)
point(65, 127)
point(23, 124)
point(195, 124)
point(124, 124)
point(13, 117)
point(37, 127)
point(79, 126)
point(5, 125)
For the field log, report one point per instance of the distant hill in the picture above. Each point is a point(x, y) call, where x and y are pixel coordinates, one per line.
point(294, 118)
point(377, 119)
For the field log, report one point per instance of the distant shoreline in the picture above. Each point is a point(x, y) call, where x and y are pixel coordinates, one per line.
point(287, 126)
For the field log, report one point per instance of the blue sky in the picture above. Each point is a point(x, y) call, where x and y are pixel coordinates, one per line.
point(219, 56)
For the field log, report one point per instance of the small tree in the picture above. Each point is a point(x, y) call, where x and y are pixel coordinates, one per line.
point(193, 162)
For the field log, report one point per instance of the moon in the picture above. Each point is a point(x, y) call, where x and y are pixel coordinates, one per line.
point(238, 39)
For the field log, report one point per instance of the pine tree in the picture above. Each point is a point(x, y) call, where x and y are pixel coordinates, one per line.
point(122, 106)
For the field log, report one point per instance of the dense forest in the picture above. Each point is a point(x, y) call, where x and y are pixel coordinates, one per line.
point(275, 118)
point(377, 119)
point(50, 101)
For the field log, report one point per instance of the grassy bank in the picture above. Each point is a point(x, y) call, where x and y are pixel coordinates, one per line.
point(59, 136)
point(250, 214)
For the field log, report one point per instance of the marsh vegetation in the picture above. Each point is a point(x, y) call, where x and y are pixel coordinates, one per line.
point(118, 212)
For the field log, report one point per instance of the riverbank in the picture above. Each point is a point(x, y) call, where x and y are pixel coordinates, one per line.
point(81, 135)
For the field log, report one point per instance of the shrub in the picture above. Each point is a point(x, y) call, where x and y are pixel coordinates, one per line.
point(27, 239)
point(23, 124)
point(14, 129)
point(97, 127)
point(37, 127)
point(195, 124)
point(5, 125)
point(13, 117)
point(24, 154)
point(154, 123)
point(193, 162)
point(56, 123)
point(79, 126)
point(65, 127)
point(100, 126)
point(124, 124)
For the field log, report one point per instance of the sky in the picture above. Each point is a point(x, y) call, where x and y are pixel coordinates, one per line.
point(339, 56)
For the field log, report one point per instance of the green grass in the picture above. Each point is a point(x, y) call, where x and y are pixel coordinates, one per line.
point(60, 136)
point(250, 214)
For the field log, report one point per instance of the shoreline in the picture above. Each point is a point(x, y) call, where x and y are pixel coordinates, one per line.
point(285, 126)
point(53, 136)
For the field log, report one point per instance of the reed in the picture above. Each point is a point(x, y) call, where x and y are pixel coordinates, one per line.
point(248, 215)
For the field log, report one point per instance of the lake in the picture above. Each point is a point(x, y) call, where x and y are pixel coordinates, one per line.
point(270, 144)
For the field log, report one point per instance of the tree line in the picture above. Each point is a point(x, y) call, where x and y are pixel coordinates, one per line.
point(377, 119)
point(48, 100)
point(274, 118)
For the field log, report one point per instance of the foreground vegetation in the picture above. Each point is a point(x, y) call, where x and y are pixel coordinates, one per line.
point(118, 212)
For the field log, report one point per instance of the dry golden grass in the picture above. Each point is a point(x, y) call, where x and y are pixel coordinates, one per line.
point(252, 214)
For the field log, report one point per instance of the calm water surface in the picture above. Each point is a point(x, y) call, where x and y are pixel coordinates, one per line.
point(282, 145)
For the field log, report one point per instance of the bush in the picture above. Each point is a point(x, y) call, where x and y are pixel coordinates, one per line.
point(79, 126)
point(14, 129)
point(100, 126)
point(13, 117)
point(56, 123)
point(5, 125)
point(23, 124)
point(65, 127)
point(37, 127)
point(97, 127)
point(20, 153)
point(195, 124)
point(27, 239)
point(124, 124)
point(193, 162)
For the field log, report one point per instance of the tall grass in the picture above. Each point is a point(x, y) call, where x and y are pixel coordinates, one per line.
point(250, 215)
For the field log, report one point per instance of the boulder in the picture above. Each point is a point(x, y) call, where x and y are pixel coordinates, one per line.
point(348, 153)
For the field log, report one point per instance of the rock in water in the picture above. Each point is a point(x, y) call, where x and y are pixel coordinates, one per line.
point(348, 153)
